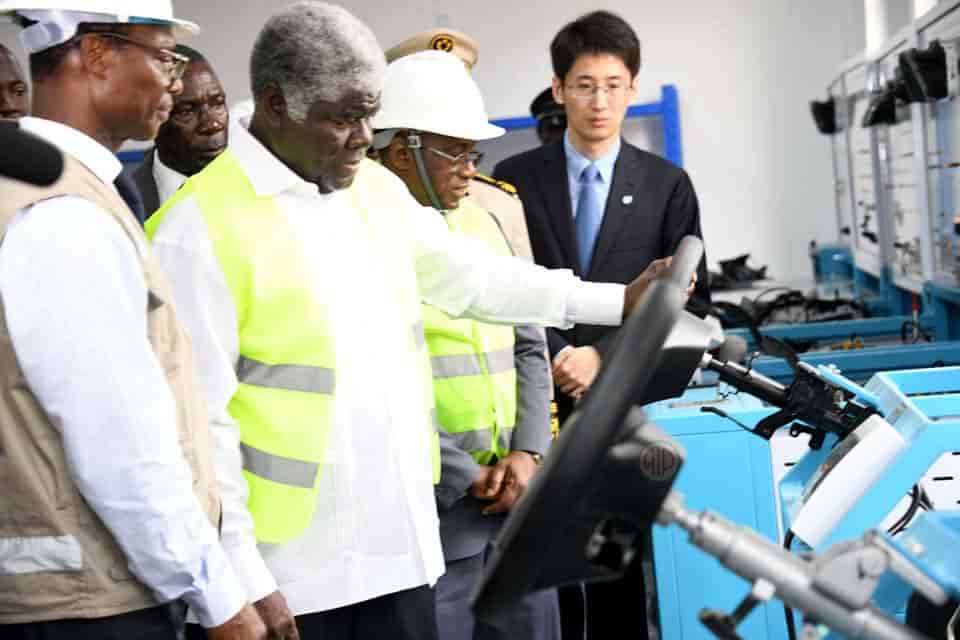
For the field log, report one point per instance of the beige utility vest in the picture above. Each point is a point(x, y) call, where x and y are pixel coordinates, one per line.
point(57, 559)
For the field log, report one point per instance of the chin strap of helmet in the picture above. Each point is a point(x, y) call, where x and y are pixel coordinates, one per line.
point(415, 145)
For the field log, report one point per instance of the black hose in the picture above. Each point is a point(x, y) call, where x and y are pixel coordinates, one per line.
point(787, 611)
point(916, 501)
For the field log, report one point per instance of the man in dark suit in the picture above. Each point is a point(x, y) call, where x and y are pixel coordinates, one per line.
point(637, 205)
point(605, 209)
point(190, 139)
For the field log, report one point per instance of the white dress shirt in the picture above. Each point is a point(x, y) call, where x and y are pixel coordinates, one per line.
point(75, 302)
point(168, 180)
point(375, 530)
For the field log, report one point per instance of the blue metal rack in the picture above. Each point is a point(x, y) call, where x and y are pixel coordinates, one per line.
point(667, 109)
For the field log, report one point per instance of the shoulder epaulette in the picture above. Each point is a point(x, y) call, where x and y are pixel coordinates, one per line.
point(503, 185)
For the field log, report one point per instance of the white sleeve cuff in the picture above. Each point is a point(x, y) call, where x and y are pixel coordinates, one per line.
point(224, 595)
point(596, 303)
point(252, 571)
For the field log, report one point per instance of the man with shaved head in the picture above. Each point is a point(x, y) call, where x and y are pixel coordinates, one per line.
point(14, 92)
point(300, 266)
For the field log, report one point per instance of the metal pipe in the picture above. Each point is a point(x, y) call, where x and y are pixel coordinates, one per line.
point(875, 17)
point(753, 558)
point(746, 380)
point(920, 7)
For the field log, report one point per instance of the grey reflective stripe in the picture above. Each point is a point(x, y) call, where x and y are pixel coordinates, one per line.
point(455, 366)
point(418, 338)
point(292, 377)
point(505, 438)
point(468, 364)
point(34, 555)
point(479, 440)
point(500, 361)
point(277, 468)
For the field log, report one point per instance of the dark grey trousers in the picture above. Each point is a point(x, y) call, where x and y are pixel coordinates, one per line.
point(536, 617)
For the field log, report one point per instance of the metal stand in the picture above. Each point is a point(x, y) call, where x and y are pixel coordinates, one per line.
point(834, 589)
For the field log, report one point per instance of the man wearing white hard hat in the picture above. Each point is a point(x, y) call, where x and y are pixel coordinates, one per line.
point(301, 266)
point(109, 513)
point(496, 196)
point(491, 383)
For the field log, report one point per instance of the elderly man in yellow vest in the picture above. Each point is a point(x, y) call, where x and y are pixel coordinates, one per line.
point(491, 383)
point(300, 266)
point(109, 506)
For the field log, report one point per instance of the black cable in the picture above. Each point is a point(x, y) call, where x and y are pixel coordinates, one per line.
point(925, 502)
point(756, 299)
point(787, 611)
point(915, 503)
point(724, 414)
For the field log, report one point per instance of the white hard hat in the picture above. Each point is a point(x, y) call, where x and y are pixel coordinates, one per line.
point(432, 91)
point(57, 20)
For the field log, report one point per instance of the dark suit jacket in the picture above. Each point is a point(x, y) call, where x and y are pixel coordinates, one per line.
point(652, 205)
point(143, 177)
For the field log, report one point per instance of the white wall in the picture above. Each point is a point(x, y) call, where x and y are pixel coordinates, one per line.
point(745, 70)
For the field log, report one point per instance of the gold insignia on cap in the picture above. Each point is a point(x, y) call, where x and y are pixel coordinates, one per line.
point(443, 42)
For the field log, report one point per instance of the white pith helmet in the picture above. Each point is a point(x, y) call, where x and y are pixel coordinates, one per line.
point(57, 20)
point(431, 91)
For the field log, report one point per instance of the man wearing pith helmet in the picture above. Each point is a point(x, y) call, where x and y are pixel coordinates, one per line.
point(491, 383)
point(109, 511)
point(496, 196)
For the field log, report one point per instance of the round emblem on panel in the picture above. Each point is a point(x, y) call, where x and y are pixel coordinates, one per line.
point(660, 461)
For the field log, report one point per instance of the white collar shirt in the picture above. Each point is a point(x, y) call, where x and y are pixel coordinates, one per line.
point(75, 304)
point(168, 180)
point(80, 146)
point(375, 529)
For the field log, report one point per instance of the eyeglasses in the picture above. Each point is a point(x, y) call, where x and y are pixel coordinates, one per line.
point(468, 157)
point(586, 91)
point(173, 63)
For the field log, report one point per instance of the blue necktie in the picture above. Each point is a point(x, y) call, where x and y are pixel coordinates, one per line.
point(589, 216)
point(127, 189)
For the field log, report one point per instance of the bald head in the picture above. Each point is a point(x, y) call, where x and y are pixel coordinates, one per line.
point(14, 92)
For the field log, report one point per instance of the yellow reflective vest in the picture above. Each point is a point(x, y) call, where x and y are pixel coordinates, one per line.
point(287, 370)
point(474, 379)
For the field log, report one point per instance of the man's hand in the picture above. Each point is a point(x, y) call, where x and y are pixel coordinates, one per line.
point(693, 285)
point(278, 618)
point(636, 288)
point(485, 486)
point(575, 369)
point(514, 471)
point(246, 625)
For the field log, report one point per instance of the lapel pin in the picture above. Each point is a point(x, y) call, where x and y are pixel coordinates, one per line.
point(627, 199)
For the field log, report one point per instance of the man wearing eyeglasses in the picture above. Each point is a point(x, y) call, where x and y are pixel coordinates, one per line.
point(595, 203)
point(195, 134)
point(109, 509)
point(491, 383)
point(605, 209)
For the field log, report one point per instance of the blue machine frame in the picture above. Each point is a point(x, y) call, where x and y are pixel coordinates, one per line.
point(734, 477)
